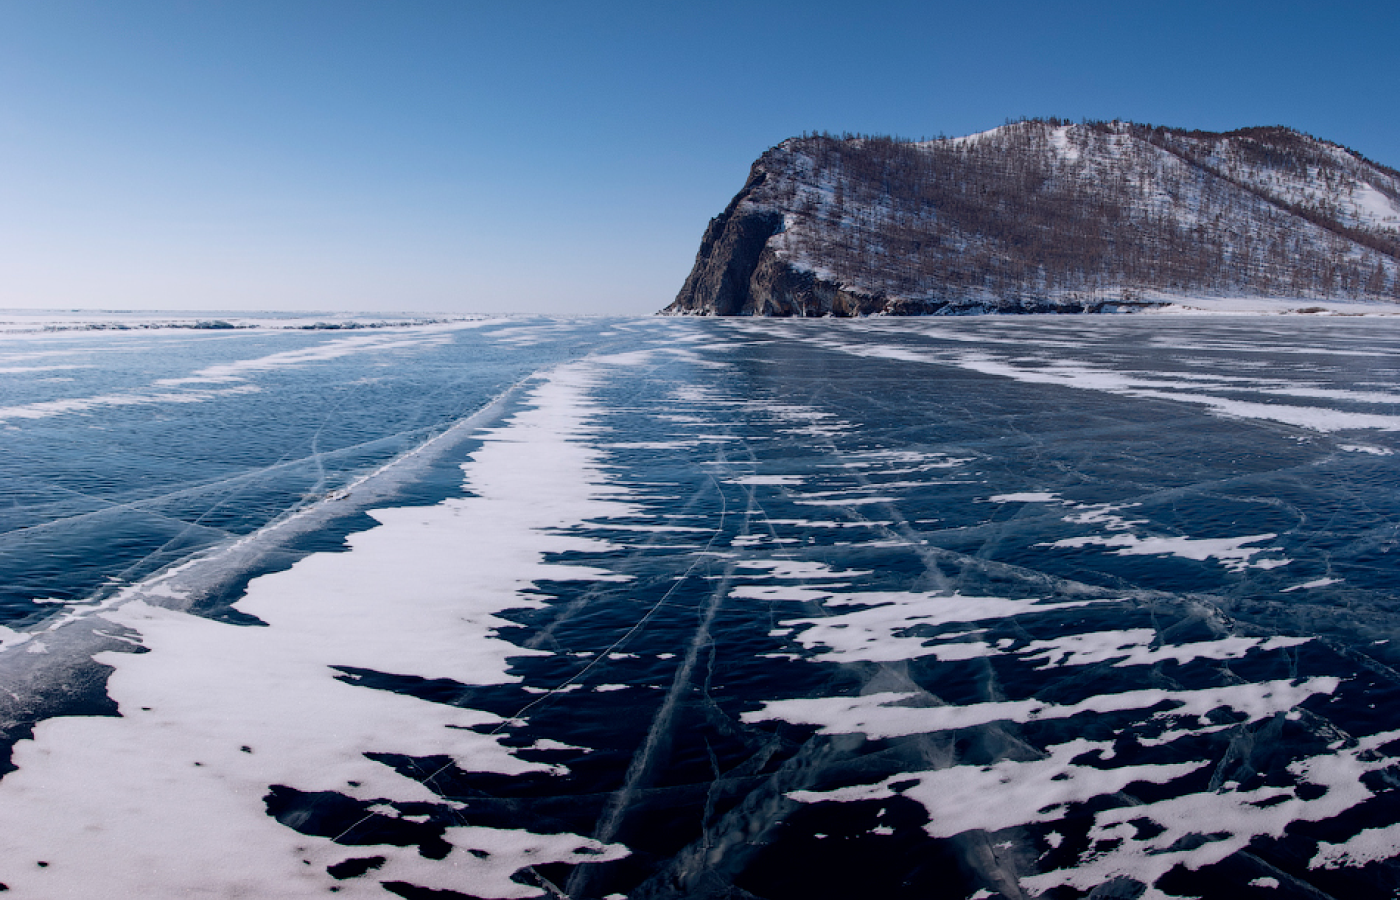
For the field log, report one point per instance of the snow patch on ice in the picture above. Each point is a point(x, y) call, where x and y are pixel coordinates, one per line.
point(796, 569)
point(1104, 514)
point(1133, 647)
point(886, 714)
point(880, 631)
point(1232, 553)
point(1009, 793)
point(846, 501)
point(1370, 845)
point(1365, 448)
point(756, 480)
point(1309, 585)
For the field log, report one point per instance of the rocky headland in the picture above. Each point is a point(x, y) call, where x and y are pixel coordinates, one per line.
point(1048, 216)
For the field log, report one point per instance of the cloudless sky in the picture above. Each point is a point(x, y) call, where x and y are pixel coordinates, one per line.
point(518, 155)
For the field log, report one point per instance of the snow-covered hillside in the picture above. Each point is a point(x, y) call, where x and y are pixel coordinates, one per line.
point(1049, 216)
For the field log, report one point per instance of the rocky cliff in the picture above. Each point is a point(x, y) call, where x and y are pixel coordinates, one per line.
point(1046, 216)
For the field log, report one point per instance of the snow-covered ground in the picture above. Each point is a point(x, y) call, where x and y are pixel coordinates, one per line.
point(1269, 306)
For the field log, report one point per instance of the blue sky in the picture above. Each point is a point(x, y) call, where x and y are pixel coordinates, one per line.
point(460, 156)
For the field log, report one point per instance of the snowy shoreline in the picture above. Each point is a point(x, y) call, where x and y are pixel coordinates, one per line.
point(1271, 306)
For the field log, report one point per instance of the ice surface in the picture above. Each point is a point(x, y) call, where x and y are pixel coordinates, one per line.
point(331, 349)
point(694, 609)
point(51, 408)
point(214, 715)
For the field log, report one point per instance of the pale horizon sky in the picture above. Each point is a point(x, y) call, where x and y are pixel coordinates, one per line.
point(455, 156)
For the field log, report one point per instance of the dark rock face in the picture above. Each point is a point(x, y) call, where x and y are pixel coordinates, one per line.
point(729, 254)
point(1048, 217)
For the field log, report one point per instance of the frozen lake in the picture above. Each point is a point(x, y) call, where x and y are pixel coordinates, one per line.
point(1061, 607)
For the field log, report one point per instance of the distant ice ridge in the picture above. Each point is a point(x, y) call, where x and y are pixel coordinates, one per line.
point(32, 320)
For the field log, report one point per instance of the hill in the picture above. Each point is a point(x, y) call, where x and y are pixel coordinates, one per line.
point(1048, 216)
